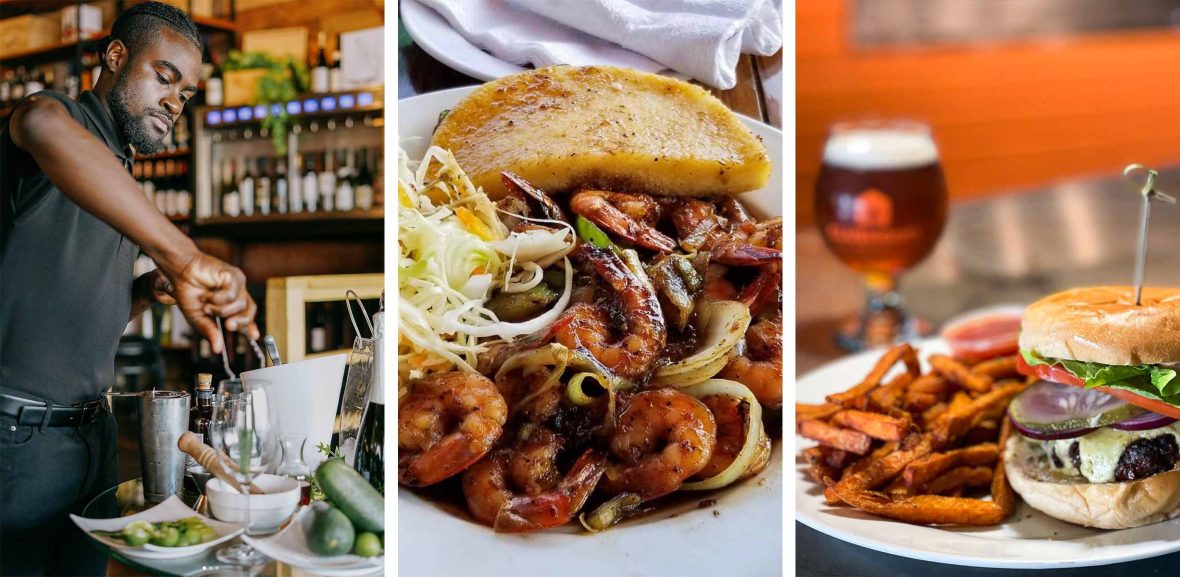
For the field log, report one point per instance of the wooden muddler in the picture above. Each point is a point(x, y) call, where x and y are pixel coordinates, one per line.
point(207, 457)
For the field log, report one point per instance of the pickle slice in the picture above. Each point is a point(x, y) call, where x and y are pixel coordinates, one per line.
point(1047, 407)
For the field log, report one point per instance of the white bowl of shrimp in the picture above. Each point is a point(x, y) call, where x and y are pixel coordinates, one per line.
point(521, 485)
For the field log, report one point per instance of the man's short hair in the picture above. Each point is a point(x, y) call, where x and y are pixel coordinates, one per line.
point(141, 24)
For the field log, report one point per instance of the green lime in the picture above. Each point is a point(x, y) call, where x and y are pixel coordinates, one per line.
point(167, 537)
point(367, 545)
point(136, 537)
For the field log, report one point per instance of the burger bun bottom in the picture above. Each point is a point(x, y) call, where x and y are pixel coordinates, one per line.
point(1102, 505)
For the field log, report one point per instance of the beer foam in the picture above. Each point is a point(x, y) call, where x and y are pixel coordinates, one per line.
point(880, 149)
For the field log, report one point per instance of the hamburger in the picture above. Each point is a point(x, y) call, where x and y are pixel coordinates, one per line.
point(1099, 441)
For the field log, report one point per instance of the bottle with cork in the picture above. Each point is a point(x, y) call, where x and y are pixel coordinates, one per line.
point(201, 411)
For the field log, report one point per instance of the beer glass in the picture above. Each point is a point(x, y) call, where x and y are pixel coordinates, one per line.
point(880, 204)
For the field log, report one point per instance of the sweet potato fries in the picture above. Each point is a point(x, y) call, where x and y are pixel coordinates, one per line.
point(910, 447)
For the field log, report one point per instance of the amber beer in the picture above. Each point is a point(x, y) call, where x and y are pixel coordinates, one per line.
point(881, 198)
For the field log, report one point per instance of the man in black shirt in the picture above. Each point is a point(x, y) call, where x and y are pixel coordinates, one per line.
point(72, 222)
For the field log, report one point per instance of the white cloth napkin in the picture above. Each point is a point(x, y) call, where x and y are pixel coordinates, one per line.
point(523, 38)
point(702, 39)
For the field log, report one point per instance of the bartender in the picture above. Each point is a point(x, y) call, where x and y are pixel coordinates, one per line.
point(72, 222)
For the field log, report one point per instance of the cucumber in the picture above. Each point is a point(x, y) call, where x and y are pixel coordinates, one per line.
point(355, 497)
point(328, 531)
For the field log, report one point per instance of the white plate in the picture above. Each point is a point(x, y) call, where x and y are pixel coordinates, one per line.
point(436, 36)
point(743, 536)
point(1029, 540)
point(290, 547)
point(172, 509)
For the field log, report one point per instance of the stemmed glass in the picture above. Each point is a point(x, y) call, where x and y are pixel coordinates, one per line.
point(880, 204)
point(242, 438)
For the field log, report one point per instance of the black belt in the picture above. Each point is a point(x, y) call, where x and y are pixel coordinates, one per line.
point(36, 413)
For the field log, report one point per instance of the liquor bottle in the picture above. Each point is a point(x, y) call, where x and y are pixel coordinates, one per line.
point(35, 83)
point(18, 84)
point(246, 188)
point(6, 88)
point(201, 412)
point(281, 187)
point(263, 186)
point(327, 183)
point(311, 185)
point(231, 203)
point(295, 194)
point(320, 74)
point(364, 182)
point(370, 451)
point(334, 77)
point(318, 332)
point(345, 196)
point(214, 86)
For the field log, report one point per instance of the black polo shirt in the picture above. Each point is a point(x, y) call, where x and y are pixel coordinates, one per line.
point(65, 275)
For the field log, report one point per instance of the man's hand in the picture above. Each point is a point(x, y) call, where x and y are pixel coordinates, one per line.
point(150, 288)
point(206, 288)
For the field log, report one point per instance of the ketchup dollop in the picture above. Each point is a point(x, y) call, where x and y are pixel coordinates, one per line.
point(985, 334)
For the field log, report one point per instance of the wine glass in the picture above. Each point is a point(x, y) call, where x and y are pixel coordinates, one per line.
point(880, 204)
point(243, 441)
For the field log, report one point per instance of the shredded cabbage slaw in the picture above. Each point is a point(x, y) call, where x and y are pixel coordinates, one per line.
point(454, 255)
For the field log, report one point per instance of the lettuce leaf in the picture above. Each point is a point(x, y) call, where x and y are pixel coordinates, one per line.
point(1151, 381)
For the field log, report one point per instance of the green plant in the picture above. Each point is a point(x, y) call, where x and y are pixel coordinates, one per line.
point(283, 80)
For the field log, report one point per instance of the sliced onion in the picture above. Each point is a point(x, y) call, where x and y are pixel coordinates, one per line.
point(554, 360)
point(1144, 422)
point(575, 389)
point(722, 325)
point(754, 432)
point(1047, 408)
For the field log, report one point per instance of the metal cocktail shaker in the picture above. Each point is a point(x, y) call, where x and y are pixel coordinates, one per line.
point(163, 418)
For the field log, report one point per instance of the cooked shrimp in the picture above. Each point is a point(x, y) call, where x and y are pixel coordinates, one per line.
point(446, 423)
point(759, 362)
point(587, 327)
point(731, 415)
point(662, 438)
point(631, 216)
point(521, 489)
point(701, 228)
point(517, 185)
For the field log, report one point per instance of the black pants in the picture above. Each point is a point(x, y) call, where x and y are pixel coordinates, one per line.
point(46, 474)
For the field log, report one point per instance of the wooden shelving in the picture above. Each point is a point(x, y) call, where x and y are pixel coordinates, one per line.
point(45, 52)
point(298, 217)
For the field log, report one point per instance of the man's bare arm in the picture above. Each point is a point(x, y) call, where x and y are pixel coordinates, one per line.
point(83, 168)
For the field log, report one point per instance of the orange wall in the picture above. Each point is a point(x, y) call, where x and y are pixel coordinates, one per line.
point(1005, 115)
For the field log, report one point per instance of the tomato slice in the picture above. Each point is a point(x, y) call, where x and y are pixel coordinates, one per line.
point(1056, 374)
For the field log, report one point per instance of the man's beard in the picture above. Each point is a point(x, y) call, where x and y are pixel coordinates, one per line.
point(135, 130)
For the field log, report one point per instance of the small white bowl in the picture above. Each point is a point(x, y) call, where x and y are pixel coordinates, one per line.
point(268, 512)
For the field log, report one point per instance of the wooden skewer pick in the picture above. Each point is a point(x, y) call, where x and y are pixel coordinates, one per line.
point(1149, 193)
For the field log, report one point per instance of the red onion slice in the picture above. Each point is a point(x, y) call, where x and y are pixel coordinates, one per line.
point(1049, 409)
point(1144, 422)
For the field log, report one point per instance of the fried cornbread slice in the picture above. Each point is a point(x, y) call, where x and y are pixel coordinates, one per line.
point(564, 127)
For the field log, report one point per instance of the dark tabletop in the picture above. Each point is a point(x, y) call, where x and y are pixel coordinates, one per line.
point(1013, 248)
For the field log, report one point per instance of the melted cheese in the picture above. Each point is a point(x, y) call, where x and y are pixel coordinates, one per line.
point(1100, 450)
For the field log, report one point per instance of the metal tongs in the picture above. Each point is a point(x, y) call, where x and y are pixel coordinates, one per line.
point(1149, 194)
point(225, 347)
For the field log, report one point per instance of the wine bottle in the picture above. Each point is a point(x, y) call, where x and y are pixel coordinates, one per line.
point(280, 196)
point(320, 73)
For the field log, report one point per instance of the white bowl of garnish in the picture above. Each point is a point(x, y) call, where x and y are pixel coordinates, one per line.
point(268, 511)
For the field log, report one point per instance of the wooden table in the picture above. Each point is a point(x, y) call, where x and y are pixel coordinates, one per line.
point(758, 93)
point(1007, 249)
